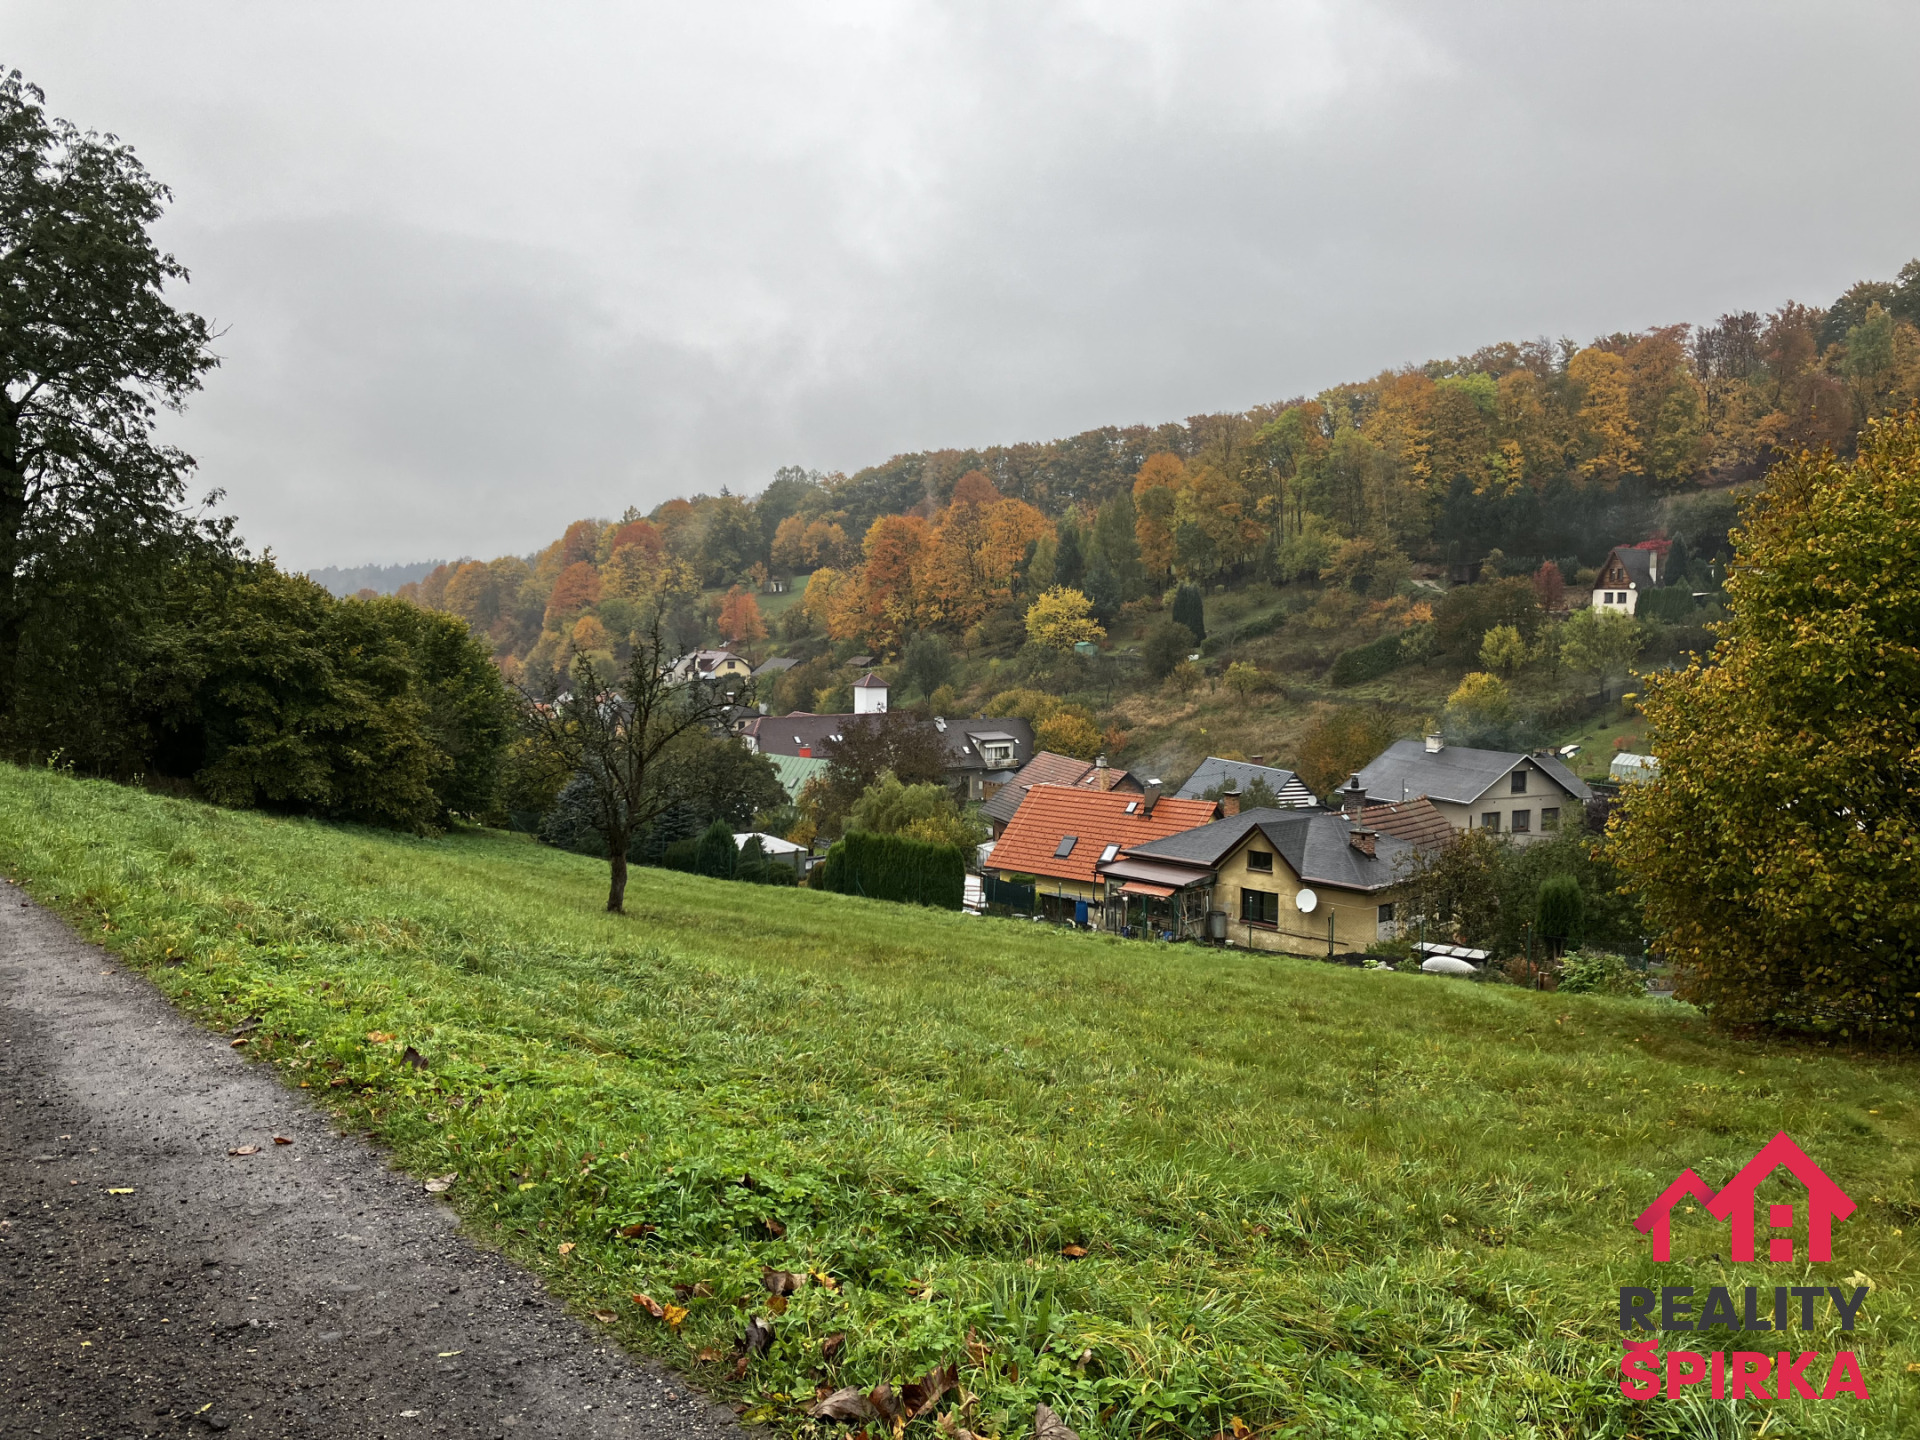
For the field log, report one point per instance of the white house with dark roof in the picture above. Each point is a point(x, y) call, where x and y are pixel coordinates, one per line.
point(1507, 792)
point(1629, 571)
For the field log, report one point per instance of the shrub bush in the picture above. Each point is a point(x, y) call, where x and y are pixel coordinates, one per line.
point(1366, 662)
point(1585, 972)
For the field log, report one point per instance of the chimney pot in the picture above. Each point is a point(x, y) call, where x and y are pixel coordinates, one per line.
point(1229, 799)
point(1257, 760)
point(1435, 744)
point(1152, 797)
point(1353, 799)
point(1362, 840)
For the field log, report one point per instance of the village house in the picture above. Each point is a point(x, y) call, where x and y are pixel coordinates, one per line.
point(722, 665)
point(1628, 572)
point(1305, 882)
point(1506, 792)
point(1061, 834)
point(1047, 768)
point(981, 754)
point(1290, 792)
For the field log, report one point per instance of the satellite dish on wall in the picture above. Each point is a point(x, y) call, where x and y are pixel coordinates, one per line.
point(1305, 901)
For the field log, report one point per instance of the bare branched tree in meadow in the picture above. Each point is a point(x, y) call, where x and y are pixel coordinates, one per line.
point(615, 732)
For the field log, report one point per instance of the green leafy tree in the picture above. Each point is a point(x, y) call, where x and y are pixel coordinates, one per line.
point(927, 663)
point(1777, 846)
point(923, 812)
point(1243, 678)
point(1600, 643)
point(1167, 645)
point(91, 348)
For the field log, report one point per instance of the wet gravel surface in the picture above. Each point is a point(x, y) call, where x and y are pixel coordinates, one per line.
point(153, 1283)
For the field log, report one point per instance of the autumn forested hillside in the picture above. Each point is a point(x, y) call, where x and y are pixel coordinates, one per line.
point(1534, 450)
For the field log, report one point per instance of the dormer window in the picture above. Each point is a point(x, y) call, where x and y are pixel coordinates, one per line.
point(1065, 847)
point(1519, 782)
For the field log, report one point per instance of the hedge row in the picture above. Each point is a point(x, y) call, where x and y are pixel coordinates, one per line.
point(893, 867)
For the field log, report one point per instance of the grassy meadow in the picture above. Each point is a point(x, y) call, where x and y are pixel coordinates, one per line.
point(1311, 1200)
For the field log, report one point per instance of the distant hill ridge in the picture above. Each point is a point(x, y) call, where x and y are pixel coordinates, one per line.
point(344, 580)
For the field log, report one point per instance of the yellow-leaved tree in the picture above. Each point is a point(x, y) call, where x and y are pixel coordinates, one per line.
point(1062, 618)
point(1778, 848)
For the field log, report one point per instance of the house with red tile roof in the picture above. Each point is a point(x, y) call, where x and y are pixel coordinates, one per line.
point(1047, 768)
point(1062, 833)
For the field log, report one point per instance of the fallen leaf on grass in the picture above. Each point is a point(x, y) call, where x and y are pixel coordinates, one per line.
point(440, 1184)
point(777, 1304)
point(977, 1349)
point(282, 1140)
point(566, 1247)
point(847, 1404)
point(634, 1232)
point(917, 1397)
point(698, 1290)
point(759, 1336)
point(826, 1280)
point(378, 1037)
point(1049, 1426)
point(1074, 1252)
point(245, 1150)
point(774, 1227)
point(886, 1404)
point(605, 1317)
point(1860, 1278)
point(236, 1044)
point(831, 1346)
point(651, 1306)
point(952, 1429)
point(674, 1314)
point(413, 1057)
point(781, 1282)
point(709, 1355)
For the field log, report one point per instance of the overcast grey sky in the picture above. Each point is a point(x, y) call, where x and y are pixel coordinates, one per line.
point(483, 269)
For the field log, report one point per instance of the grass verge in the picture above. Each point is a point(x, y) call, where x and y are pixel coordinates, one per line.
point(1324, 1202)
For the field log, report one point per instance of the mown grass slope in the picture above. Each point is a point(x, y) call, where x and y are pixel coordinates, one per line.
point(1323, 1201)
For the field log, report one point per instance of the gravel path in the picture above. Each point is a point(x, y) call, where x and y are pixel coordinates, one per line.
point(152, 1283)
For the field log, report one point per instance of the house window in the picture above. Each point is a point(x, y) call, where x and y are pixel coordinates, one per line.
point(1522, 821)
point(1065, 847)
point(1108, 853)
point(1518, 784)
point(1386, 914)
point(1490, 820)
point(1550, 818)
point(1261, 860)
point(999, 754)
point(1132, 805)
point(1260, 907)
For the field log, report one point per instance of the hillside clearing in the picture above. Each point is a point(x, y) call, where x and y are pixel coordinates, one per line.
point(1324, 1201)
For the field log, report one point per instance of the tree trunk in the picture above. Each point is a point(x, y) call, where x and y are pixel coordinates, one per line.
point(617, 887)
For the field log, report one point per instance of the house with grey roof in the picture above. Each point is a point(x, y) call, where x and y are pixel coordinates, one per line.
point(1307, 882)
point(1628, 572)
point(1290, 792)
point(1502, 791)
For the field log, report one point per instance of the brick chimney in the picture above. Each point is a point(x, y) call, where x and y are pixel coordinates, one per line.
point(1353, 800)
point(1361, 840)
point(1102, 777)
point(1152, 797)
point(1229, 799)
point(1256, 759)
